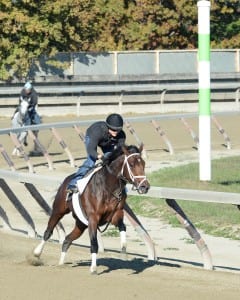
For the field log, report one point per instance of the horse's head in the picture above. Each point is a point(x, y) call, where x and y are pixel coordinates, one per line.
point(133, 169)
point(23, 106)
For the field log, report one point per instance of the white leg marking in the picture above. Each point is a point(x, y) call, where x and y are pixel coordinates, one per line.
point(93, 268)
point(123, 240)
point(62, 258)
point(38, 250)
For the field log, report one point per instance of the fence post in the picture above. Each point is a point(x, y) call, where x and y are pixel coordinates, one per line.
point(21, 150)
point(163, 136)
point(7, 158)
point(195, 235)
point(19, 207)
point(64, 146)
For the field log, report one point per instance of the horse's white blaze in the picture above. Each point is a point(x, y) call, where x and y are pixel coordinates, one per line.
point(38, 250)
point(123, 239)
point(18, 121)
point(93, 267)
point(23, 107)
point(62, 258)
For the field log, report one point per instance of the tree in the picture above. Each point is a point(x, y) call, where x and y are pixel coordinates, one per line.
point(143, 25)
point(32, 29)
point(225, 24)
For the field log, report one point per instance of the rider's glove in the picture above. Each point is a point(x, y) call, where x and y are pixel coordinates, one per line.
point(105, 158)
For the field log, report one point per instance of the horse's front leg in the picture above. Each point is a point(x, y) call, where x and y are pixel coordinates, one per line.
point(117, 220)
point(123, 239)
point(92, 228)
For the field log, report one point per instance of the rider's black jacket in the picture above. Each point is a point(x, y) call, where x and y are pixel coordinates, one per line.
point(97, 135)
point(32, 98)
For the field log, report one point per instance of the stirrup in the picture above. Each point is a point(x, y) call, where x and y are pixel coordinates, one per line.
point(72, 190)
point(69, 196)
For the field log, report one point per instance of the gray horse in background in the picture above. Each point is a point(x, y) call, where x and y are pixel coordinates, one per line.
point(20, 119)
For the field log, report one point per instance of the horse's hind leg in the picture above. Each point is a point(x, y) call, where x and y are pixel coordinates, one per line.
point(54, 219)
point(75, 234)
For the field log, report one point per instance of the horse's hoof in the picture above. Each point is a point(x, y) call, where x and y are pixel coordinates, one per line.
point(36, 254)
point(93, 270)
point(124, 250)
point(35, 153)
point(34, 260)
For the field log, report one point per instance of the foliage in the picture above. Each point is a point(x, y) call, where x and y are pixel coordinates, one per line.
point(31, 29)
point(225, 24)
point(42, 28)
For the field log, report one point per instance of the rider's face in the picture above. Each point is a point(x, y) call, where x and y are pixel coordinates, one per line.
point(113, 132)
point(27, 91)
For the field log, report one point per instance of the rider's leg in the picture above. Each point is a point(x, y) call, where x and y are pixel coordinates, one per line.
point(88, 164)
point(35, 120)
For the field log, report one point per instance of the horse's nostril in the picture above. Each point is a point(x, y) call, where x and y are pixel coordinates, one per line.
point(143, 189)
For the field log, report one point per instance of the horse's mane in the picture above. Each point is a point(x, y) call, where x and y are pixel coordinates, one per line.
point(119, 151)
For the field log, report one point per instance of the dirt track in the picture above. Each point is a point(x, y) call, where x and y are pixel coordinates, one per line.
point(177, 274)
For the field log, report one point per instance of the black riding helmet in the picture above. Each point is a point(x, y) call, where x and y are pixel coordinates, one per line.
point(114, 122)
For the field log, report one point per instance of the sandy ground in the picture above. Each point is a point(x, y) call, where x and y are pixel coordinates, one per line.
point(178, 272)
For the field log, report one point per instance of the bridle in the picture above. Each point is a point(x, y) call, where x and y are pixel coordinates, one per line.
point(130, 173)
point(133, 178)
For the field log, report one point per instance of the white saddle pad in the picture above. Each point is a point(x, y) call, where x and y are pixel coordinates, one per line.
point(81, 184)
point(77, 208)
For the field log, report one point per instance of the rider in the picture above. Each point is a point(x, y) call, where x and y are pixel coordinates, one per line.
point(107, 136)
point(29, 93)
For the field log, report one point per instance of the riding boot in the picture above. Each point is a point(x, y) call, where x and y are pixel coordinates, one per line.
point(81, 172)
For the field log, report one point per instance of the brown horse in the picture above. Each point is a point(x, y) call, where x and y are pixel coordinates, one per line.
point(101, 201)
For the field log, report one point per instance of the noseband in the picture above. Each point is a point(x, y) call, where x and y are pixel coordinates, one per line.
point(130, 173)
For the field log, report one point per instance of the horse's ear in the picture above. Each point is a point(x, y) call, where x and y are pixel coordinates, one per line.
point(141, 148)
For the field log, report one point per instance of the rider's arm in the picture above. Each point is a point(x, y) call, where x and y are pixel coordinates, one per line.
point(33, 99)
point(94, 135)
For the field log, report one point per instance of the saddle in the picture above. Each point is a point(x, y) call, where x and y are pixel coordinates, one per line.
point(82, 183)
